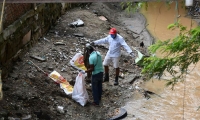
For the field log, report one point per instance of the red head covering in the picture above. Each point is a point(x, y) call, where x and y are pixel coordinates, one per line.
point(113, 31)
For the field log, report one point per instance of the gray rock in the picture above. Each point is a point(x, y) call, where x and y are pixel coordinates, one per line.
point(50, 68)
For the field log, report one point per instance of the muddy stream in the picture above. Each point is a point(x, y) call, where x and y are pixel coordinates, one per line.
point(181, 103)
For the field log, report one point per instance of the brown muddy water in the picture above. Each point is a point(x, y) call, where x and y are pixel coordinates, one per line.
point(181, 103)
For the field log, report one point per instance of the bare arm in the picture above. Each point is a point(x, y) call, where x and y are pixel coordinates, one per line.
point(90, 69)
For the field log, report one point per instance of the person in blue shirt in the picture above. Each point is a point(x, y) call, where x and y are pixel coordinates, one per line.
point(115, 42)
point(96, 67)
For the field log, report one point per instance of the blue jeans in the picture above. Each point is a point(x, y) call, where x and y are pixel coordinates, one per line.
point(97, 86)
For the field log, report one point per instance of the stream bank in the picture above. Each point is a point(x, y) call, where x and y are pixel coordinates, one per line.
point(29, 94)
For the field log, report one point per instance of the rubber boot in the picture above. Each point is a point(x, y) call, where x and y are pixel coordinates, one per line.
point(117, 76)
point(106, 78)
point(116, 80)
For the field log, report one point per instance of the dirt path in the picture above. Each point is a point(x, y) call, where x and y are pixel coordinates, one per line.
point(29, 94)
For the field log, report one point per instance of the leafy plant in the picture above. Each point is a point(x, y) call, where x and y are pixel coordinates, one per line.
point(133, 6)
point(180, 52)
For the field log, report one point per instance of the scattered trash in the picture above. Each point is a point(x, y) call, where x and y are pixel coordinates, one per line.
point(38, 58)
point(52, 104)
point(60, 109)
point(56, 32)
point(30, 75)
point(65, 57)
point(103, 18)
point(27, 117)
point(130, 88)
point(46, 39)
point(137, 88)
point(59, 43)
point(95, 12)
point(77, 23)
point(78, 34)
point(63, 69)
point(50, 68)
point(64, 84)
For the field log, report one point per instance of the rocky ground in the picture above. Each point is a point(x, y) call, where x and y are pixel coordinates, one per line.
point(29, 94)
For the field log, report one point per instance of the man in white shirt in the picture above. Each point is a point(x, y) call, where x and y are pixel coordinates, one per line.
point(115, 42)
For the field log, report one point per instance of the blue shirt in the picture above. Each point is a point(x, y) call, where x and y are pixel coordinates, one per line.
point(114, 45)
point(96, 60)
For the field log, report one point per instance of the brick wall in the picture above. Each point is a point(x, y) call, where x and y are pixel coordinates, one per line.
point(23, 25)
point(13, 11)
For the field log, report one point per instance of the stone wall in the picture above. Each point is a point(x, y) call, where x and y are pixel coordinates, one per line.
point(19, 36)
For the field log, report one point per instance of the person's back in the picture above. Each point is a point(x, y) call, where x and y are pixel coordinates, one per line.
point(96, 67)
point(96, 59)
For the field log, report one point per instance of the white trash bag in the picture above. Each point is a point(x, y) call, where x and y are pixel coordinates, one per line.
point(80, 93)
point(77, 62)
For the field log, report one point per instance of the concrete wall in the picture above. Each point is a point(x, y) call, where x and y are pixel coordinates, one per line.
point(25, 32)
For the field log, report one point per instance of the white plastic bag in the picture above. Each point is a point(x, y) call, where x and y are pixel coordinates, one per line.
point(77, 62)
point(80, 93)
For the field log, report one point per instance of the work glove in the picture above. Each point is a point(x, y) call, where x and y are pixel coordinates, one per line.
point(88, 45)
point(92, 43)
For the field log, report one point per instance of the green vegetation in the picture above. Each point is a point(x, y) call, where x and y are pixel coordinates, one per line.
point(133, 6)
point(180, 51)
